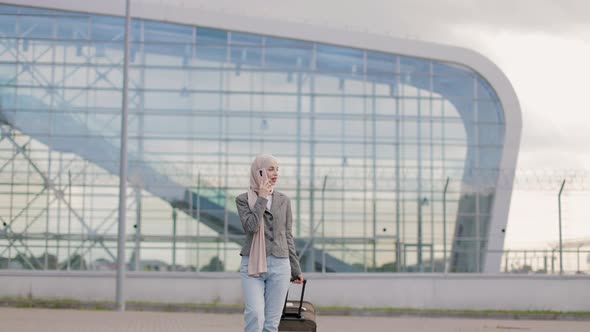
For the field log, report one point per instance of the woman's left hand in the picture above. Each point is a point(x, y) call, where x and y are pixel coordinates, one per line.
point(299, 279)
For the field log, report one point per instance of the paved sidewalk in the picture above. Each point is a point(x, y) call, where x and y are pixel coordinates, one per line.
point(61, 320)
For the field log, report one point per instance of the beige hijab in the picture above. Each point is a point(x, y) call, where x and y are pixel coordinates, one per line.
point(257, 258)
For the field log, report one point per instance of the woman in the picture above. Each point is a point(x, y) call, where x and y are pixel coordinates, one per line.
point(269, 259)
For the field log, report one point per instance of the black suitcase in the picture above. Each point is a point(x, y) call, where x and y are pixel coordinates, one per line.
point(298, 315)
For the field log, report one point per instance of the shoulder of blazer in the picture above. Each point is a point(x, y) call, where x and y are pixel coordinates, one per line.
point(242, 197)
point(280, 195)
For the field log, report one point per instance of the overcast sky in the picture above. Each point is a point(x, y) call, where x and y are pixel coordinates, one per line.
point(542, 46)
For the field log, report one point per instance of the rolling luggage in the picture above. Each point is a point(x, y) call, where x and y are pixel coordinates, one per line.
point(298, 315)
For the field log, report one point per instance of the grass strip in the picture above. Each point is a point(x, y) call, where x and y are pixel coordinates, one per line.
point(216, 307)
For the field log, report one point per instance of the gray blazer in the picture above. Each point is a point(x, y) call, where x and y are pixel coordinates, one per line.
point(277, 227)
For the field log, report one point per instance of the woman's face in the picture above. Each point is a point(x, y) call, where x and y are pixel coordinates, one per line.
point(273, 173)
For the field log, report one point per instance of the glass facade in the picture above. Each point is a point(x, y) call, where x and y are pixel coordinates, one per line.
point(391, 161)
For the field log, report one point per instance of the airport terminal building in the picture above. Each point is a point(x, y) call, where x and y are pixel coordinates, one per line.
point(397, 155)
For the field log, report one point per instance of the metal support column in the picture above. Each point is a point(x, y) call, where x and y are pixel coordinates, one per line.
point(310, 259)
point(560, 236)
point(174, 215)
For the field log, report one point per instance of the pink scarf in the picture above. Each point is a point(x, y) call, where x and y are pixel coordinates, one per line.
point(257, 258)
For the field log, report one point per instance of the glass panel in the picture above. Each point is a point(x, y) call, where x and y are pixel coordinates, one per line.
point(75, 28)
point(212, 44)
point(167, 32)
point(35, 27)
point(339, 60)
point(288, 54)
point(7, 24)
point(107, 28)
point(246, 49)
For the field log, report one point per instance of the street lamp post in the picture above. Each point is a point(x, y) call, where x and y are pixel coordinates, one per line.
point(123, 170)
point(445, 225)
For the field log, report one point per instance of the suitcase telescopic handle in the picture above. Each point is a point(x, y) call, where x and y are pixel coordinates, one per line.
point(300, 301)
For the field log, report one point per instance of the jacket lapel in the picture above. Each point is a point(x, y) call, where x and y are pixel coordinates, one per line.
point(277, 201)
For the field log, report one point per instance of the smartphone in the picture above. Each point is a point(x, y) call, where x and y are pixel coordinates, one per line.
point(263, 176)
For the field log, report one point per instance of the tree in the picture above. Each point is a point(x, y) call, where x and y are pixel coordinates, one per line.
point(77, 262)
point(51, 261)
point(28, 263)
point(215, 264)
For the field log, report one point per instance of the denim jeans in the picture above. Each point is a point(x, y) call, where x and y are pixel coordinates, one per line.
point(264, 296)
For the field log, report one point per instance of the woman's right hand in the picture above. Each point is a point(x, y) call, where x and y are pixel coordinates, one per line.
point(265, 189)
point(298, 280)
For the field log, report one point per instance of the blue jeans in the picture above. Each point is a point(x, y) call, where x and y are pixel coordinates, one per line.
point(264, 296)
